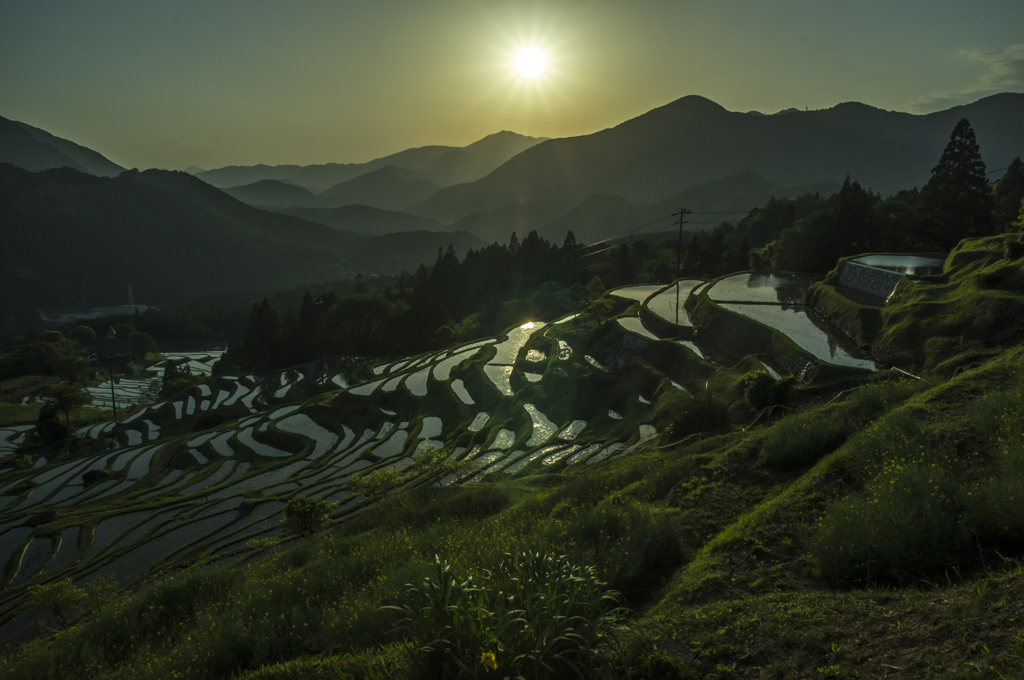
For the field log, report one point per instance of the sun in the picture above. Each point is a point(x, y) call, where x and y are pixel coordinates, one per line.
point(531, 62)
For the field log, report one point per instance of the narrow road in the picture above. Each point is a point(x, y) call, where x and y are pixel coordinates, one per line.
point(16, 397)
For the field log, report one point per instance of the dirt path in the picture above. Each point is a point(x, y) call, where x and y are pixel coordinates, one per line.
point(16, 397)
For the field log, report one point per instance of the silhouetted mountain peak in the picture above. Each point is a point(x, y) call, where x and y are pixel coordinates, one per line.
point(697, 104)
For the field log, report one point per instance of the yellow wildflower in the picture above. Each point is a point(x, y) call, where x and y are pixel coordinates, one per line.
point(488, 661)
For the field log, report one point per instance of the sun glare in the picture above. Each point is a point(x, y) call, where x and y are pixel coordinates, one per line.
point(531, 62)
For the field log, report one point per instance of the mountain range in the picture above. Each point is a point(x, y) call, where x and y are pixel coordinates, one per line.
point(75, 234)
point(442, 165)
point(693, 141)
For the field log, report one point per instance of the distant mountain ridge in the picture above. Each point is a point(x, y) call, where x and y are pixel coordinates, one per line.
point(34, 149)
point(693, 140)
point(443, 165)
point(364, 219)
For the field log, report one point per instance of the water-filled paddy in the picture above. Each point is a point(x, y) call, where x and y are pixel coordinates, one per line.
point(221, 446)
point(32, 560)
point(543, 428)
point(479, 421)
point(798, 326)
point(216, 478)
point(443, 370)
point(10, 541)
point(588, 455)
point(561, 454)
point(392, 446)
point(259, 481)
point(664, 304)
point(260, 449)
point(366, 388)
point(140, 466)
point(460, 391)
point(283, 411)
point(137, 562)
point(303, 425)
point(540, 453)
point(504, 439)
point(417, 382)
point(68, 547)
point(572, 430)
point(764, 288)
point(914, 265)
point(110, 528)
point(633, 324)
point(432, 426)
point(638, 293)
point(500, 376)
point(507, 351)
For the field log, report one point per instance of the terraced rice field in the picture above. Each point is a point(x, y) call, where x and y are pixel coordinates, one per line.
point(669, 303)
point(762, 288)
point(638, 293)
point(633, 324)
point(805, 332)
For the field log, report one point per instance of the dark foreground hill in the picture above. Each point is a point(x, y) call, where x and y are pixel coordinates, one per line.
point(694, 140)
point(74, 240)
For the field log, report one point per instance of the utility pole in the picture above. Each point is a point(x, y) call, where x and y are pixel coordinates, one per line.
point(318, 302)
point(682, 212)
point(113, 399)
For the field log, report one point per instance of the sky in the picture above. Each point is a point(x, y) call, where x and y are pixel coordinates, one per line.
point(175, 84)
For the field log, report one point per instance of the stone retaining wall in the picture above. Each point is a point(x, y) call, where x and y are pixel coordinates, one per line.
point(878, 282)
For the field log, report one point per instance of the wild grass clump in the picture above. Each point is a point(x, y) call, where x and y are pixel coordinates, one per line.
point(805, 437)
point(704, 413)
point(533, 616)
point(927, 505)
point(625, 541)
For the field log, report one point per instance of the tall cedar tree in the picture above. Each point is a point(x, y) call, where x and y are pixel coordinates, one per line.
point(956, 203)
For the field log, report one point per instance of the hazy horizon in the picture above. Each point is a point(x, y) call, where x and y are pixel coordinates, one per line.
point(186, 83)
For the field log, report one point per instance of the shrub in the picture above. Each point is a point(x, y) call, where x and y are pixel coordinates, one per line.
point(60, 598)
point(377, 484)
point(534, 616)
point(306, 516)
point(762, 390)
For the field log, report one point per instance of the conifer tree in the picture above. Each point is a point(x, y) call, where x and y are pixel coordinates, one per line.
point(956, 203)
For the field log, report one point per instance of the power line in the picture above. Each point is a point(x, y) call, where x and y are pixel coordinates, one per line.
point(629, 231)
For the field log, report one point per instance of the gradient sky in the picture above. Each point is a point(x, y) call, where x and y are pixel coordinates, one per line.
point(174, 84)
